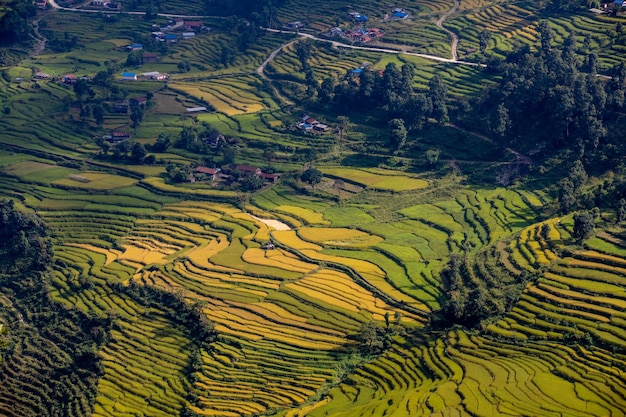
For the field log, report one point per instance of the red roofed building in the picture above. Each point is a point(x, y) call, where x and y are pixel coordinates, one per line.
point(69, 79)
point(249, 170)
point(192, 25)
point(210, 173)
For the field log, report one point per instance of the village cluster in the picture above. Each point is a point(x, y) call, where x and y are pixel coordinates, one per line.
point(359, 32)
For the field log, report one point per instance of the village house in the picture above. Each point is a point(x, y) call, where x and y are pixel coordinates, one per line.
point(41, 4)
point(269, 177)
point(42, 75)
point(358, 17)
point(69, 79)
point(129, 76)
point(297, 25)
point(334, 32)
point(140, 101)
point(399, 14)
point(308, 123)
point(117, 136)
point(170, 38)
point(209, 174)
point(214, 140)
point(248, 170)
point(134, 47)
point(155, 75)
point(188, 35)
point(121, 106)
point(149, 58)
point(192, 26)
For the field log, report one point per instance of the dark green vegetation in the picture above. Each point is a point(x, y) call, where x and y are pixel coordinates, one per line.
point(447, 240)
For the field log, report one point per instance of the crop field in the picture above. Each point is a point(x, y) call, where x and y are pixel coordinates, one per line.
point(295, 303)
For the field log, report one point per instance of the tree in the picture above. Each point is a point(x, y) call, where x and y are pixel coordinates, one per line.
point(325, 90)
point(85, 112)
point(136, 115)
point(251, 183)
point(343, 123)
point(438, 94)
point(312, 176)
point(163, 142)
point(104, 79)
point(546, 36)
point(228, 56)
point(578, 175)
point(397, 134)
point(269, 154)
point(177, 173)
point(545, 230)
point(503, 122)
point(81, 89)
point(228, 155)
point(97, 111)
point(303, 50)
point(483, 40)
point(184, 66)
point(138, 153)
point(370, 338)
point(621, 210)
point(432, 156)
point(584, 224)
point(25, 242)
point(187, 136)
point(133, 59)
point(566, 196)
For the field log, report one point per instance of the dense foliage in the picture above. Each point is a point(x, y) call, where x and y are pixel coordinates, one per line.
point(25, 242)
point(548, 100)
point(14, 25)
point(50, 364)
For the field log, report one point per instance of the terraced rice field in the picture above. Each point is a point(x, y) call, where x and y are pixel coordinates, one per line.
point(287, 317)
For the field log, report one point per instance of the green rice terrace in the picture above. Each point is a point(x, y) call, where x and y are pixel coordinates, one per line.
point(315, 209)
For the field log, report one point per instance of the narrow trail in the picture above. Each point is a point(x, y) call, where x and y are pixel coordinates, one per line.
point(40, 40)
point(455, 39)
point(520, 157)
point(261, 71)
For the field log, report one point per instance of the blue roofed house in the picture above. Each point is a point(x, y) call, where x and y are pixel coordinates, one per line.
point(135, 47)
point(361, 18)
point(129, 76)
point(618, 4)
point(170, 38)
point(399, 15)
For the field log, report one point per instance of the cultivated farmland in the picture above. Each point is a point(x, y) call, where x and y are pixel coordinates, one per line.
point(293, 298)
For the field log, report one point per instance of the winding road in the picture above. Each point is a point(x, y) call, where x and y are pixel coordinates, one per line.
point(261, 69)
point(455, 39)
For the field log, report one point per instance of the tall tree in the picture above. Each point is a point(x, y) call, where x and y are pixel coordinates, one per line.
point(438, 94)
point(97, 111)
point(397, 134)
point(483, 40)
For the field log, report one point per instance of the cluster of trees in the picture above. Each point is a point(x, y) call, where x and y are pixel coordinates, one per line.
point(190, 316)
point(14, 24)
point(373, 338)
point(549, 100)
point(477, 288)
point(64, 375)
point(25, 240)
point(390, 96)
